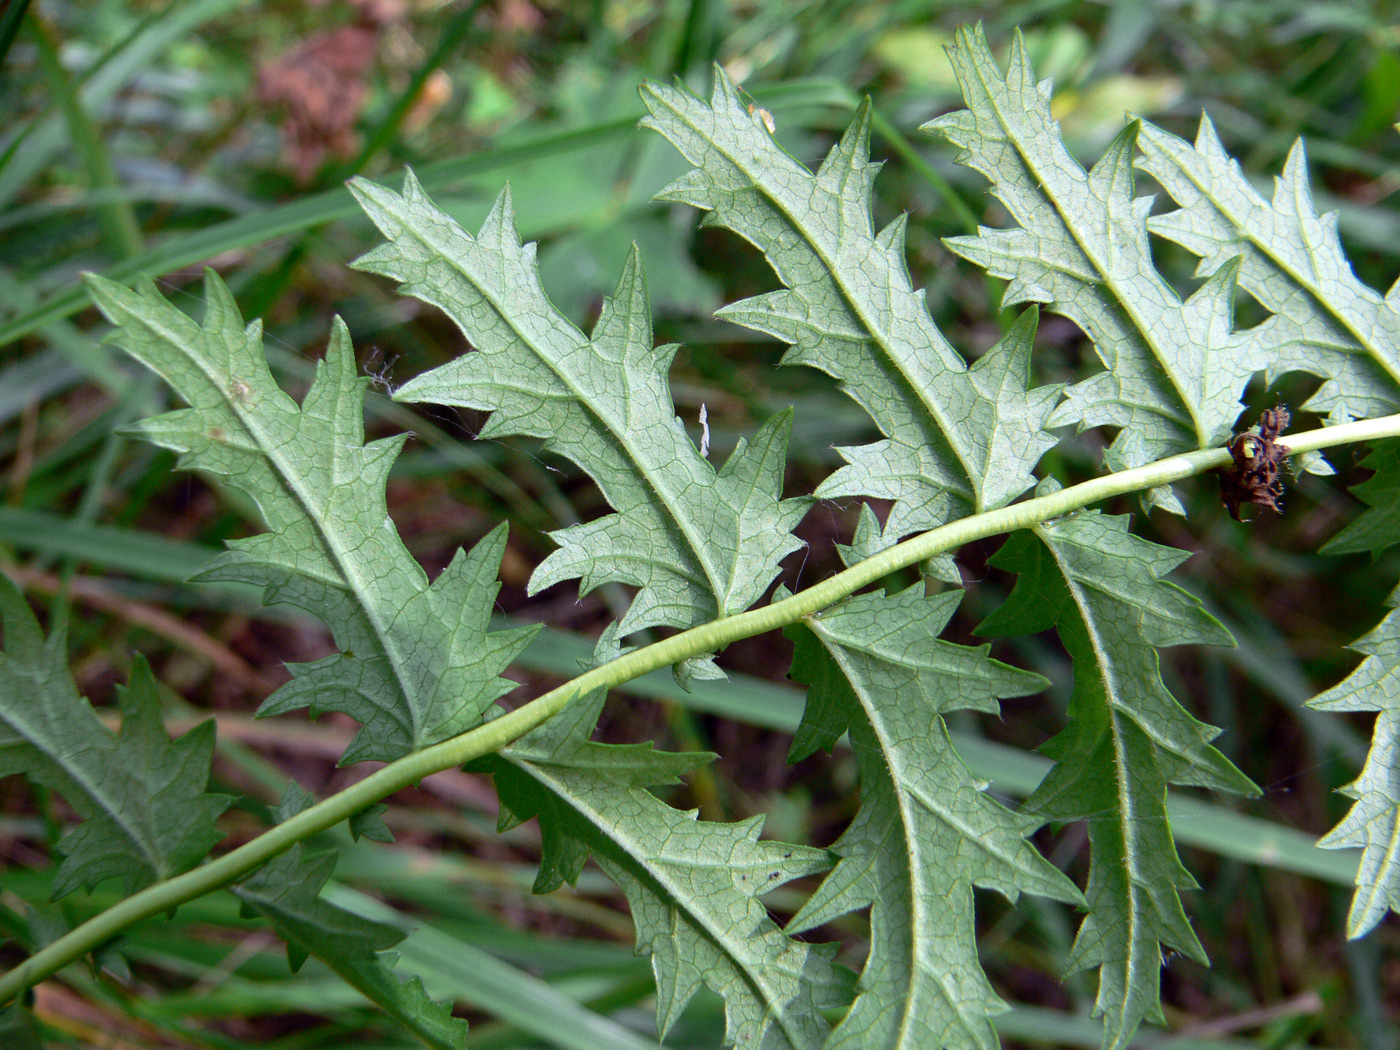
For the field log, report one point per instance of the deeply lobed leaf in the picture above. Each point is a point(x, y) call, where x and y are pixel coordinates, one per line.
point(417, 664)
point(1378, 526)
point(693, 886)
point(1102, 589)
point(146, 813)
point(286, 892)
point(926, 832)
point(700, 543)
point(957, 439)
point(1174, 370)
point(1373, 824)
point(1326, 322)
point(1290, 259)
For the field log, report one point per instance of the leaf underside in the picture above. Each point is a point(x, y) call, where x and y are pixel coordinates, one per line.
point(286, 892)
point(417, 663)
point(1174, 370)
point(957, 439)
point(1373, 823)
point(693, 886)
point(926, 832)
point(1102, 589)
point(145, 812)
point(698, 542)
point(1326, 322)
point(1290, 259)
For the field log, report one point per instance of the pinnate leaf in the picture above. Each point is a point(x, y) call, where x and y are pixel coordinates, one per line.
point(1127, 739)
point(1378, 526)
point(926, 832)
point(1324, 321)
point(693, 886)
point(1327, 322)
point(1174, 370)
point(1373, 824)
point(287, 893)
point(146, 813)
point(700, 543)
point(417, 663)
point(956, 439)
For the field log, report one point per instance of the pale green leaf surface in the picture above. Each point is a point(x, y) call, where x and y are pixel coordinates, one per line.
point(693, 886)
point(1325, 321)
point(1373, 824)
point(146, 813)
point(1174, 370)
point(956, 439)
point(926, 832)
point(1127, 738)
point(417, 664)
point(287, 893)
point(868, 540)
point(699, 543)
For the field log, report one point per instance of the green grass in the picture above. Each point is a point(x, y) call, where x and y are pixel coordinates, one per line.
point(135, 145)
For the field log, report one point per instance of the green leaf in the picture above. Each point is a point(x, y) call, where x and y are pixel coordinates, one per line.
point(700, 543)
point(957, 439)
point(287, 893)
point(146, 814)
point(1377, 527)
point(692, 885)
point(1373, 824)
point(1324, 321)
point(926, 832)
point(1127, 739)
point(417, 663)
point(17, 1029)
point(1175, 370)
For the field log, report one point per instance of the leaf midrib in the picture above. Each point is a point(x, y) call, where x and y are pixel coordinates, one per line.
point(1327, 305)
point(610, 428)
point(1378, 887)
point(1116, 709)
point(877, 336)
point(1107, 274)
point(63, 758)
point(756, 977)
point(908, 822)
point(353, 583)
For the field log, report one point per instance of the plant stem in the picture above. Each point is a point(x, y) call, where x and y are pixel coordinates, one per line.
point(710, 637)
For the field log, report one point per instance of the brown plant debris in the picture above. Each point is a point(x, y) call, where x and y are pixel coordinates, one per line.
point(321, 86)
point(1256, 476)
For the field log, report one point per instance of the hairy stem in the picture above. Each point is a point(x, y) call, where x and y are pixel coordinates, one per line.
point(501, 731)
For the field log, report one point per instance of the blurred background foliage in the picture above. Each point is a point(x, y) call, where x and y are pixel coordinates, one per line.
point(146, 137)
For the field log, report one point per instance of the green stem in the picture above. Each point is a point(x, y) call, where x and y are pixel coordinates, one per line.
point(710, 637)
